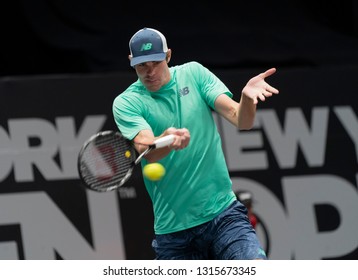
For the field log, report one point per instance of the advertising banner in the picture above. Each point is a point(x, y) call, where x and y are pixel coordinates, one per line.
point(299, 162)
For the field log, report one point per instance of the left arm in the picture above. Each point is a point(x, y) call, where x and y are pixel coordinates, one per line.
point(242, 115)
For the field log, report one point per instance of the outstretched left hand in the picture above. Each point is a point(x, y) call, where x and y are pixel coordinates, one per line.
point(256, 88)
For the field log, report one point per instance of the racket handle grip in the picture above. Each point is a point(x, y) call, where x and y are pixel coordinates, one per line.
point(164, 141)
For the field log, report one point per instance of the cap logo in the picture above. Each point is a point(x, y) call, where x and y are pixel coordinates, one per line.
point(146, 47)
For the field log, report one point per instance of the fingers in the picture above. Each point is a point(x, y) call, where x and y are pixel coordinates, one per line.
point(182, 138)
point(262, 94)
point(269, 72)
point(255, 101)
point(257, 89)
point(271, 89)
point(267, 90)
point(267, 93)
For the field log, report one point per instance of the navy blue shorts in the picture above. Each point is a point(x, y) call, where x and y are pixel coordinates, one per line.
point(229, 236)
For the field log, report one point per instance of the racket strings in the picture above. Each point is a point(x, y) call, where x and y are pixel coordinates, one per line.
point(106, 162)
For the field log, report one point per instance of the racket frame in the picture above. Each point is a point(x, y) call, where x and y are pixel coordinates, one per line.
point(158, 143)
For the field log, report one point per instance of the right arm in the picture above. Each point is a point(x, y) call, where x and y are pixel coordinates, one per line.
point(181, 141)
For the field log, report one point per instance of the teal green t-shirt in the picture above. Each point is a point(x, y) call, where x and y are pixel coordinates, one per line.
point(197, 185)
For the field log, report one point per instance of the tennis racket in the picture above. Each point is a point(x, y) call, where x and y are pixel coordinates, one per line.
point(107, 159)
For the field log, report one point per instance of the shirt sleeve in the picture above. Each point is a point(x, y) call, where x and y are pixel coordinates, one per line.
point(210, 85)
point(128, 117)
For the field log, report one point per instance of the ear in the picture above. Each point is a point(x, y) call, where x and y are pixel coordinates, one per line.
point(129, 57)
point(169, 55)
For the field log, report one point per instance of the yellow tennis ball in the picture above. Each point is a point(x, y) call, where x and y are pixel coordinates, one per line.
point(154, 171)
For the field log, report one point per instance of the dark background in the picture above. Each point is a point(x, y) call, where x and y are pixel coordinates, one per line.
point(84, 36)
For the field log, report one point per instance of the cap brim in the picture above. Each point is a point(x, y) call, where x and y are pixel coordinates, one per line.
point(146, 58)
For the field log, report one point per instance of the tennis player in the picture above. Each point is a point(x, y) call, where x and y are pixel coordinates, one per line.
point(196, 212)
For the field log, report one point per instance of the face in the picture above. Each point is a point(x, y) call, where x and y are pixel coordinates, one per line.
point(153, 74)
